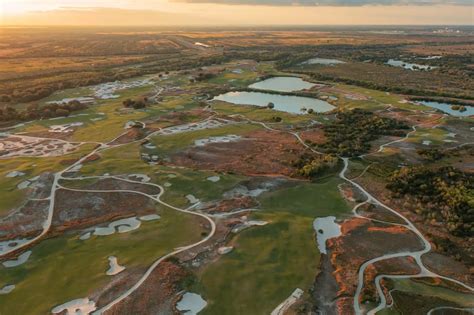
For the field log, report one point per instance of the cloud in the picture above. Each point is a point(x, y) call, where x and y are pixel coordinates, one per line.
point(336, 3)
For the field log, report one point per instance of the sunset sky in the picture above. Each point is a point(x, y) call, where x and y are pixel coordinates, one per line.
point(235, 12)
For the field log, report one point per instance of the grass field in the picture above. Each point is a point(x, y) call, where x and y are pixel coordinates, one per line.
point(266, 265)
point(65, 268)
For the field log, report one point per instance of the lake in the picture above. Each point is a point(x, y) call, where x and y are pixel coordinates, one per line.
point(282, 84)
point(322, 61)
point(407, 65)
point(446, 108)
point(284, 103)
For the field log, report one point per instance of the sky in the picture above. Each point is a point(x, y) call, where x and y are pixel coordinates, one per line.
point(236, 12)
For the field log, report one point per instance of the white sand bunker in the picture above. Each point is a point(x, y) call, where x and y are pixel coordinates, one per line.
point(64, 128)
point(325, 228)
point(191, 304)
point(224, 250)
point(76, 307)
point(206, 124)
point(426, 142)
point(26, 183)
point(192, 199)
point(82, 99)
point(285, 305)
point(8, 245)
point(214, 179)
point(114, 267)
point(248, 224)
point(141, 177)
point(120, 226)
point(150, 217)
point(7, 289)
point(107, 90)
point(222, 139)
point(16, 145)
point(16, 262)
point(15, 174)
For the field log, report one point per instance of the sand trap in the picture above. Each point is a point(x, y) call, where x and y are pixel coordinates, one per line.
point(82, 99)
point(8, 245)
point(224, 250)
point(149, 146)
point(451, 135)
point(167, 184)
point(426, 142)
point(7, 289)
point(150, 217)
point(85, 236)
point(18, 145)
point(285, 305)
point(114, 267)
point(16, 262)
point(248, 224)
point(222, 139)
point(120, 226)
point(75, 168)
point(192, 199)
point(64, 128)
point(244, 191)
point(142, 177)
point(325, 228)
point(191, 304)
point(450, 141)
point(15, 174)
point(76, 307)
point(214, 179)
point(207, 124)
point(107, 90)
point(23, 184)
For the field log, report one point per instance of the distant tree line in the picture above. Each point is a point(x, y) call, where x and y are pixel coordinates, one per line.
point(34, 111)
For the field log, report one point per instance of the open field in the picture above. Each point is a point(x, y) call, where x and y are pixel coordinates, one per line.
point(253, 201)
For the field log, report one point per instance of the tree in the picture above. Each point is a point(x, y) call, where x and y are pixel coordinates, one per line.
point(270, 105)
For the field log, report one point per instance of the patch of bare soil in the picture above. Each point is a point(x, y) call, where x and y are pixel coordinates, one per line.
point(157, 295)
point(393, 266)
point(260, 153)
point(315, 135)
point(362, 240)
point(449, 267)
point(75, 209)
point(131, 135)
point(379, 213)
point(28, 218)
point(325, 288)
point(51, 135)
point(26, 221)
point(229, 205)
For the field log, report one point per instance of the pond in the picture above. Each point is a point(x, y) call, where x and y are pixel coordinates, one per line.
point(322, 61)
point(282, 84)
point(446, 108)
point(284, 103)
point(326, 228)
point(407, 65)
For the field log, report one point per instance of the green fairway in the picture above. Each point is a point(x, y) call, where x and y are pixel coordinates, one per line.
point(271, 261)
point(65, 268)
